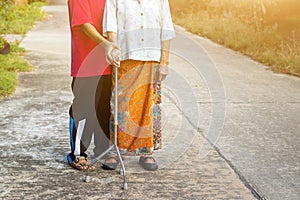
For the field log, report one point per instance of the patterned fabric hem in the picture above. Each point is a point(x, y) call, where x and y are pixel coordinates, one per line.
point(138, 152)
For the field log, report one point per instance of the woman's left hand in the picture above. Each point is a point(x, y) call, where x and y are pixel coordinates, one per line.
point(162, 72)
point(164, 61)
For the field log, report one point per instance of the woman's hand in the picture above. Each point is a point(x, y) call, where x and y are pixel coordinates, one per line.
point(92, 32)
point(161, 72)
point(110, 47)
point(116, 56)
point(163, 65)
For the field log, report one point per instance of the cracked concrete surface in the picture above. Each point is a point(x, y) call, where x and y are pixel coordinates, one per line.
point(258, 137)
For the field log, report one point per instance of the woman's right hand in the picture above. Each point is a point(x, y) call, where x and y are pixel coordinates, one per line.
point(110, 47)
point(116, 56)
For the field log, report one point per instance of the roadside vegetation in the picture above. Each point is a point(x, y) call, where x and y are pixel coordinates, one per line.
point(15, 19)
point(266, 30)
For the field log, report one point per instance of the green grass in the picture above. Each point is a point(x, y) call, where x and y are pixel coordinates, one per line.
point(272, 39)
point(14, 20)
point(9, 66)
point(19, 20)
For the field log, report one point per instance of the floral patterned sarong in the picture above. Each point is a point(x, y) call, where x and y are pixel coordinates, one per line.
point(135, 107)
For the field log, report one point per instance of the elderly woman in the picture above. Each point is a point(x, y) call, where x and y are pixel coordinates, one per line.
point(143, 29)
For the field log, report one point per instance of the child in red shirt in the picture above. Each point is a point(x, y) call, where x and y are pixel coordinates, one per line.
point(91, 85)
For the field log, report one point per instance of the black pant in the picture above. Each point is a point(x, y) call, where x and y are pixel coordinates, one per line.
point(89, 113)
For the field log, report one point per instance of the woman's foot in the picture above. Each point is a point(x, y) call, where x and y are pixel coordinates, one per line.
point(148, 163)
point(110, 163)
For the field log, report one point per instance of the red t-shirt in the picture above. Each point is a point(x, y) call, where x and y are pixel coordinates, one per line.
point(87, 57)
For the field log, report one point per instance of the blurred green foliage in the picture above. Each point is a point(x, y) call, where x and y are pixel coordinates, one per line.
point(15, 20)
point(18, 20)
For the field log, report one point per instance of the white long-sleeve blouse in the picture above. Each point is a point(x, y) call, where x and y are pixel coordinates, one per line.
point(141, 26)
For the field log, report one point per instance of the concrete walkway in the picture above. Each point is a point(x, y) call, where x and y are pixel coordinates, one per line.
point(213, 96)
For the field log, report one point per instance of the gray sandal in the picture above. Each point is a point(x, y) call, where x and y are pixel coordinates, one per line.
point(148, 166)
point(110, 166)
